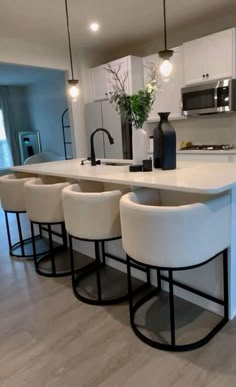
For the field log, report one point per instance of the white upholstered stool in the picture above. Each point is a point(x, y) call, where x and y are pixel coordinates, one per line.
point(13, 201)
point(94, 217)
point(172, 231)
point(44, 207)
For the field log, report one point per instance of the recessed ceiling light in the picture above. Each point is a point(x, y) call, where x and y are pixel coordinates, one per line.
point(94, 27)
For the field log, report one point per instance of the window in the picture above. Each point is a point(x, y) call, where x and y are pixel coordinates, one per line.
point(5, 154)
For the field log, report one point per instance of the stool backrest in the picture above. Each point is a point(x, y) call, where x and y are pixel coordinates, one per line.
point(44, 201)
point(170, 235)
point(12, 193)
point(91, 215)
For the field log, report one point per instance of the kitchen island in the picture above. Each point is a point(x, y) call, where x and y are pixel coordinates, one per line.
point(188, 177)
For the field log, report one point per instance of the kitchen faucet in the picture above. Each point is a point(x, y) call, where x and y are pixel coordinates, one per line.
point(93, 157)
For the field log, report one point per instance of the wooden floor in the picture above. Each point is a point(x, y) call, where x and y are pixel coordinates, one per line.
point(49, 339)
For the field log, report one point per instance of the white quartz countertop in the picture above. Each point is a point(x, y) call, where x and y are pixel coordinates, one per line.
point(189, 176)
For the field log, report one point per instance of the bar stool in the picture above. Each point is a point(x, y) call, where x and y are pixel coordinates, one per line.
point(174, 232)
point(13, 201)
point(44, 208)
point(94, 217)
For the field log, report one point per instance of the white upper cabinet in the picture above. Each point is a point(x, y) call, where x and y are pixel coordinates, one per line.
point(99, 83)
point(210, 58)
point(130, 71)
point(168, 98)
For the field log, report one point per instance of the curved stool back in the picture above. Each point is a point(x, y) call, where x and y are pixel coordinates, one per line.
point(162, 232)
point(13, 201)
point(44, 207)
point(95, 217)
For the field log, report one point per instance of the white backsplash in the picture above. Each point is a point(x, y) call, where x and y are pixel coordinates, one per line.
point(217, 129)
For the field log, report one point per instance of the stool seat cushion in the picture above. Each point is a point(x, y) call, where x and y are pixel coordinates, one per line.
point(12, 193)
point(44, 201)
point(91, 215)
point(159, 229)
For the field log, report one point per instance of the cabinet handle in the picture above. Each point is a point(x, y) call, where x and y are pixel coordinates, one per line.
point(203, 76)
point(207, 75)
point(106, 94)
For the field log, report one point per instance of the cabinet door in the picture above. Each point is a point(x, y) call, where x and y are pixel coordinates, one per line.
point(120, 65)
point(99, 83)
point(93, 120)
point(195, 61)
point(168, 98)
point(220, 55)
point(112, 122)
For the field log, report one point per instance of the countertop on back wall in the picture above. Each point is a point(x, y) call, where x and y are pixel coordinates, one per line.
point(208, 152)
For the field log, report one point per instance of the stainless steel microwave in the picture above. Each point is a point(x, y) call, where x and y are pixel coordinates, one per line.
point(209, 98)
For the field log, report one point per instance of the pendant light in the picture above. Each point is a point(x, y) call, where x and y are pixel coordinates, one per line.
point(73, 88)
point(166, 66)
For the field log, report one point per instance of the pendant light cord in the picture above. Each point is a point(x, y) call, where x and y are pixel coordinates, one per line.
point(165, 34)
point(69, 41)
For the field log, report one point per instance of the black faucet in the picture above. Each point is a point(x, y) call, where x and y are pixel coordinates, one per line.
point(93, 157)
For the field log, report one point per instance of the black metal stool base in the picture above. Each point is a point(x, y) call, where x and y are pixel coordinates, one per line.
point(96, 276)
point(23, 250)
point(41, 246)
point(47, 264)
point(136, 305)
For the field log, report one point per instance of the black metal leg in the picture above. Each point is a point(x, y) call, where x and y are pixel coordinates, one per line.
point(172, 308)
point(226, 284)
point(130, 289)
point(103, 253)
point(51, 250)
point(72, 260)
point(97, 255)
point(158, 279)
point(8, 232)
point(64, 234)
point(20, 234)
point(33, 245)
point(40, 230)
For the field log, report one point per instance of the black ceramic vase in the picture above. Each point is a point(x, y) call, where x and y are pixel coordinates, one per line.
point(164, 136)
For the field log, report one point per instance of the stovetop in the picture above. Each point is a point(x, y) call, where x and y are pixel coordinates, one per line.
point(209, 147)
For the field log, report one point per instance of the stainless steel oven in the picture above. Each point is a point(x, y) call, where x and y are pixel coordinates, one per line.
point(209, 98)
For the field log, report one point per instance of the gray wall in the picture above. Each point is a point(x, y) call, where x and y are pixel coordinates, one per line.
point(47, 101)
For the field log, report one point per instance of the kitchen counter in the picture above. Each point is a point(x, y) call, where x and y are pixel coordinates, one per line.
point(211, 178)
point(189, 176)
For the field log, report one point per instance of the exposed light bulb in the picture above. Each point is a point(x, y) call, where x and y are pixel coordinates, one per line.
point(166, 68)
point(73, 89)
point(94, 27)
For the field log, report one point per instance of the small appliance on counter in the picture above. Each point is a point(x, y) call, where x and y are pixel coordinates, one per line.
point(209, 98)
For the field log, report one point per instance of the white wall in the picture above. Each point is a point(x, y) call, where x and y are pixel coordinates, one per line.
point(47, 101)
point(217, 129)
point(21, 52)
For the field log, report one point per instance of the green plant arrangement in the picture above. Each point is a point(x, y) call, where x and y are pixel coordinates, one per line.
point(136, 107)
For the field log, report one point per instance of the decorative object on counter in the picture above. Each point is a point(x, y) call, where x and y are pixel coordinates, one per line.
point(73, 88)
point(166, 66)
point(135, 168)
point(147, 165)
point(164, 154)
point(135, 108)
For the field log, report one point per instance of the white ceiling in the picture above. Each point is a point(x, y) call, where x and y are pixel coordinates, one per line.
point(123, 21)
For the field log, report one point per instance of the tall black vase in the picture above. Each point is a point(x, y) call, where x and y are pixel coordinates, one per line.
point(164, 136)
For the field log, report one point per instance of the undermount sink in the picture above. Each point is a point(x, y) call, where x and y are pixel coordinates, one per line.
point(114, 164)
